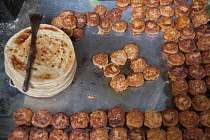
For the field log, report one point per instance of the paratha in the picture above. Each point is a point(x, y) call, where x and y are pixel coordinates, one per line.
point(54, 62)
point(38, 92)
point(54, 54)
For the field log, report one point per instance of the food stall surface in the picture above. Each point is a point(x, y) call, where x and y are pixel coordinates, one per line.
point(89, 79)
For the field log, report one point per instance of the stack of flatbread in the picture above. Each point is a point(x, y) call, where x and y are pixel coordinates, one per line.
point(54, 63)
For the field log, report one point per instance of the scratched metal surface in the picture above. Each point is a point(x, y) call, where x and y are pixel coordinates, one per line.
point(89, 79)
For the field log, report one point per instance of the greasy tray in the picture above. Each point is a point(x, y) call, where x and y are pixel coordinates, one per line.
point(89, 79)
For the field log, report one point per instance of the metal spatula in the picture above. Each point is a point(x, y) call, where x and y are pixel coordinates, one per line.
point(35, 20)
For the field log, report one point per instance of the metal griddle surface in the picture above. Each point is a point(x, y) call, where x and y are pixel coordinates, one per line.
point(89, 79)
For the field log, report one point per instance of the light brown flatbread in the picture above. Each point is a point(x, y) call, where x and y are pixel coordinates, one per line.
point(54, 53)
point(49, 92)
point(54, 62)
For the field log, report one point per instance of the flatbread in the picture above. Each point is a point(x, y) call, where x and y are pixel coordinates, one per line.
point(54, 55)
point(43, 87)
point(54, 63)
point(49, 92)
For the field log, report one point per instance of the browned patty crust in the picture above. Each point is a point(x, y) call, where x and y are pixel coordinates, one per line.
point(100, 59)
point(19, 132)
point(79, 120)
point(203, 30)
point(170, 117)
point(138, 64)
point(193, 134)
point(136, 134)
point(119, 83)
point(182, 102)
point(81, 20)
point(100, 10)
point(118, 133)
point(78, 34)
point(187, 45)
point(23, 116)
point(134, 119)
point(151, 72)
point(99, 134)
point(187, 33)
point(114, 14)
point(151, 27)
point(135, 79)
point(42, 118)
point(183, 10)
point(60, 120)
point(58, 134)
point(180, 2)
point(173, 133)
point(200, 103)
point(116, 117)
point(111, 69)
point(175, 59)
point(152, 119)
point(196, 71)
point(92, 18)
point(206, 56)
point(179, 86)
point(120, 26)
point(171, 34)
point(38, 134)
point(80, 134)
point(193, 58)
point(203, 43)
point(166, 23)
point(205, 118)
point(170, 47)
point(98, 118)
point(152, 3)
point(197, 87)
point(178, 72)
point(188, 118)
point(156, 134)
point(207, 69)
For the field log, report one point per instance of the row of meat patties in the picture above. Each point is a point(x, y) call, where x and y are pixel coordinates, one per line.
point(149, 16)
point(111, 125)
